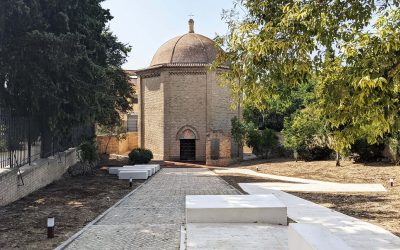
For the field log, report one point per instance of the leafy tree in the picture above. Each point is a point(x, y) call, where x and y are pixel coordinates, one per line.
point(238, 131)
point(278, 108)
point(262, 141)
point(307, 134)
point(349, 48)
point(61, 64)
point(359, 89)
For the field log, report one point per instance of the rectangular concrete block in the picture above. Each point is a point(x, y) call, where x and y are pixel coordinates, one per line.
point(133, 174)
point(115, 170)
point(156, 166)
point(149, 171)
point(235, 209)
point(308, 236)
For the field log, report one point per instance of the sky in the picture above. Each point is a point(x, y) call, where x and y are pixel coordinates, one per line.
point(147, 24)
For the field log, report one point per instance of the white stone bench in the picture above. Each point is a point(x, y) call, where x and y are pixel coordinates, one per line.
point(115, 170)
point(148, 170)
point(156, 166)
point(235, 209)
point(133, 174)
point(141, 167)
point(308, 236)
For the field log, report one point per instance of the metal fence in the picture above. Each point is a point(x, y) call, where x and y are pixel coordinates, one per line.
point(23, 141)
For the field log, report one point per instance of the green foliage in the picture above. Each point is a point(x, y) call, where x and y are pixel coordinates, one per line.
point(88, 152)
point(262, 141)
point(350, 49)
point(238, 130)
point(305, 132)
point(140, 156)
point(280, 106)
point(59, 62)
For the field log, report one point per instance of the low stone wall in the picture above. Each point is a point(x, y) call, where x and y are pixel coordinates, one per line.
point(115, 146)
point(41, 173)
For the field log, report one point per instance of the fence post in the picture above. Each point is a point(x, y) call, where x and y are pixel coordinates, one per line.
point(29, 141)
point(9, 140)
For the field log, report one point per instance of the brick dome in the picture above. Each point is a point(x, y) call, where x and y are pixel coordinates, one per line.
point(190, 48)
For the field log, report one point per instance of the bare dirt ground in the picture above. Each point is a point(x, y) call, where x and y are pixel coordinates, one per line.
point(382, 209)
point(73, 201)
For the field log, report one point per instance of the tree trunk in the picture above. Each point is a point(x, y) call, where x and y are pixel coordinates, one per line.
point(337, 159)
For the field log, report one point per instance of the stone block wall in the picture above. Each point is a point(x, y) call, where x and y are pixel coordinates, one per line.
point(115, 146)
point(152, 123)
point(185, 105)
point(175, 97)
point(41, 173)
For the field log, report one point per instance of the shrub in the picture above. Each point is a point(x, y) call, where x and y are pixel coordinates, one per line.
point(88, 157)
point(88, 151)
point(140, 156)
point(262, 141)
point(305, 132)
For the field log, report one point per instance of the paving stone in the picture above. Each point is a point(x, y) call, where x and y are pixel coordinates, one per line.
point(151, 217)
point(137, 236)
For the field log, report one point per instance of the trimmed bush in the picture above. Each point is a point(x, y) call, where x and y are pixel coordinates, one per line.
point(140, 156)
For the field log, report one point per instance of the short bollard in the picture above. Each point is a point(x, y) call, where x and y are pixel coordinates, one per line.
point(50, 227)
point(130, 182)
point(391, 180)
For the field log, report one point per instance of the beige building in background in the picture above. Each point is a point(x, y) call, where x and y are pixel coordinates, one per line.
point(184, 112)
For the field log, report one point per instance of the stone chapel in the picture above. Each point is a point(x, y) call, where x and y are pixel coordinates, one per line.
point(184, 112)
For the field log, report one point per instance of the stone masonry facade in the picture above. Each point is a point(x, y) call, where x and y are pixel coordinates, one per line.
point(173, 98)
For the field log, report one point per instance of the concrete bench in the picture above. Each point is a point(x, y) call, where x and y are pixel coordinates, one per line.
point(115, 170)
point(133, 174)
point(308, 236)
point(141, 167)
point(148, 170)
point(156, 166)
point(235, 209)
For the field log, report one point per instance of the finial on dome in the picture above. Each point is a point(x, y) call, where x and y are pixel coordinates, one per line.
point(191, 25)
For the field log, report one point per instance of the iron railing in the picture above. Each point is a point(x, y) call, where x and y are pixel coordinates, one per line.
point(23, 141)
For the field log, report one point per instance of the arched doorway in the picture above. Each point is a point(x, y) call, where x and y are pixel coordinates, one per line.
point(187, 137)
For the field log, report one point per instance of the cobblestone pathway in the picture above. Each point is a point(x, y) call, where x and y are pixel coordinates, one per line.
point(151, 217)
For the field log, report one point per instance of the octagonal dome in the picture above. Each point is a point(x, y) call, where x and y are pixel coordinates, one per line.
point(190, 48)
